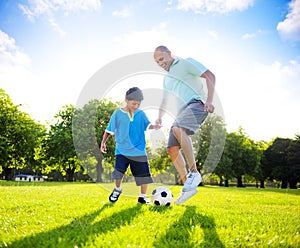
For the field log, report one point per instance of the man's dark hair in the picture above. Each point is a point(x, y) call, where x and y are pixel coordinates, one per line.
point(134, 93)
point(162, 49)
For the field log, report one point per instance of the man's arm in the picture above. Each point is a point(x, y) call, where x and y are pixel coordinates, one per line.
point(210, 82)
point(161, 111)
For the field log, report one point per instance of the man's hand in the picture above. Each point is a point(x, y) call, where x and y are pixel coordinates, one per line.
point(158, 122)
point(209, 107)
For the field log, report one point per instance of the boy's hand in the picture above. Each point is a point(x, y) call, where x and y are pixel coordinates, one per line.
point(157, 126)
point(103, 148)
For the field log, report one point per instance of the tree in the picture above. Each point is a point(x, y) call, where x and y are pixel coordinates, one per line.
point(19, 136)
point(277, 160)
point(209, 142)
point(243, 155)
point(293, 162)
point(89, 124)
point(59, 148)
point(262, 171)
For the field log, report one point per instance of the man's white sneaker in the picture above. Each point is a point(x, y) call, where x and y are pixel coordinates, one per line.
point(185, 196)
point(192, 181)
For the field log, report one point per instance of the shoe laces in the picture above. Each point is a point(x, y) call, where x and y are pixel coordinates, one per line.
point(116, 193)
point(190, 179)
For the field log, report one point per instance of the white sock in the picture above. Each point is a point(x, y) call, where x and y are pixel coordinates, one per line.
point(118, 188)
point(143, 195)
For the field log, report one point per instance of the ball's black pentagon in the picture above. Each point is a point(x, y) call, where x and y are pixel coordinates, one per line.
point(154, 192)
point(156, 202)
point(164, 194)
point(168, 204)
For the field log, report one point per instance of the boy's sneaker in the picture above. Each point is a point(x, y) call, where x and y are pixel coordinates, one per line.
point(143, 200)
point(114, 195)
point(192, 181)
point(185, 196)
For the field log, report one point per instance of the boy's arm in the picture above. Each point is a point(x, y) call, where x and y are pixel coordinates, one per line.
point(103, 142)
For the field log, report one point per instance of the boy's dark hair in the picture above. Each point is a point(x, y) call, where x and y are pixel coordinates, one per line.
point(134, 93)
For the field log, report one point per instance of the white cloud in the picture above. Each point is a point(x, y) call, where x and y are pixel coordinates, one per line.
point(123, 13)
point(272, 101)
point(248, 36)
point(290, 27)
point(143, 41)
point(37, 8)
point(213, 34)
point(216, 6)
point(40, 7)
point(10, 53)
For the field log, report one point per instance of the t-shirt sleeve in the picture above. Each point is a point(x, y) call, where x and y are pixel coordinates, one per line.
point(165, 88)
point(146, 121)
point(111, 128)
point(196, 67)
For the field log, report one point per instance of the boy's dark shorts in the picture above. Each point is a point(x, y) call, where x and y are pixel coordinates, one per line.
point(139, 167)
point(191, 117)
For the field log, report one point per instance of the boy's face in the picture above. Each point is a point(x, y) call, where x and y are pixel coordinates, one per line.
point(133, 105)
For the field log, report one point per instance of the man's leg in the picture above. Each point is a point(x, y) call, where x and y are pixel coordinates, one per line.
point(178, 161)
point(187, 147)
point(194, 177)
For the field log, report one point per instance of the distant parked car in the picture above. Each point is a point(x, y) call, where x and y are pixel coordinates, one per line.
point(28, 178)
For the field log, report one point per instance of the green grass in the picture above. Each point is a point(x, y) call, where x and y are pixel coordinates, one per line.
point(78, 215)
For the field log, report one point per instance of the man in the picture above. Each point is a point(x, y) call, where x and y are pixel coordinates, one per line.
point(184, 82)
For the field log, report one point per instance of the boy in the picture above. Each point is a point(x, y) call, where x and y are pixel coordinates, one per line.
point(129, 124)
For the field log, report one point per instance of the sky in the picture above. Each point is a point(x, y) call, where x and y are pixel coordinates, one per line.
point(49, 50)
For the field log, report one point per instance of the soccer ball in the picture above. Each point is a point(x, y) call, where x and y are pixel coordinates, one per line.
point(162, 196)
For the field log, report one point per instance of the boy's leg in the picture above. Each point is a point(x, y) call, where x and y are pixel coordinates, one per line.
point(144, 188)
point(118, 183)
point(140, 170)
point(143, 197)
point(121, 165)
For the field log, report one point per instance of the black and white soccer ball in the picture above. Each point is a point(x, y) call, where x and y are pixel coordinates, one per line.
point(162, 196)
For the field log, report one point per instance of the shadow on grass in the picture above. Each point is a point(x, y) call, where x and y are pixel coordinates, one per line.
point(80, 230)
point(254, 189)
point(179, 234)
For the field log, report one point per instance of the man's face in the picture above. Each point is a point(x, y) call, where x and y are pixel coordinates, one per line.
point(163, 59)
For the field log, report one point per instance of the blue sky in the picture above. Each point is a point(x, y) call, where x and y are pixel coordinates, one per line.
point(50, 48)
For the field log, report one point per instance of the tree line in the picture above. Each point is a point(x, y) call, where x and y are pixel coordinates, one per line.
point(68, 148)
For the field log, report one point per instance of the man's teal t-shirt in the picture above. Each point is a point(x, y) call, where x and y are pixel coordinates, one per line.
point(129, 132)
point(184, 82)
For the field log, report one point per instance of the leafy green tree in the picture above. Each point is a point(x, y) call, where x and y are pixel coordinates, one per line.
point(243, 155)
point(293, 162)
point(89, 124)
point(209, 142)
point(261, 172)
point(19, 136)
point(59, 148)
point(277, 161)
point(159, 160)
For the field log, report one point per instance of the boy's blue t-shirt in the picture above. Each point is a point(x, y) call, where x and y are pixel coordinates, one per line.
point(129, 132)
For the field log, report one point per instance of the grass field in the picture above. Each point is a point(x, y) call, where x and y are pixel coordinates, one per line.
point(78, 215)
